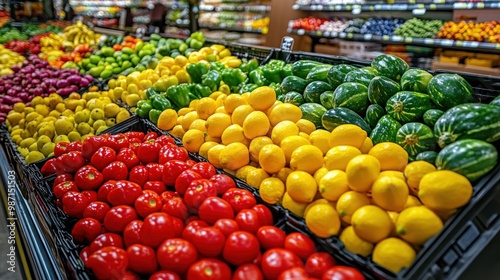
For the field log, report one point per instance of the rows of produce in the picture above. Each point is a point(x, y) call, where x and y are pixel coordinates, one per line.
point(376, 158)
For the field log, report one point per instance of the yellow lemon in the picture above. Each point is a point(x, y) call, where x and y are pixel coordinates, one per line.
point(393, 254)
point(242, 173)
point(217, 123)
point(234, 156)
point(193, 139)
point(262, 98)
point(167, 119)
point(271, 190)
point(199, 124)
point(220, 101)
point(293, 206)
point(417, 224)
point(390, 193)
point(306, 126)
point(319, 201)
point(283, 130)
point(354, 244)
point(393, 173)
point(338, 157)
point(367, 146)
point(193, 104)
point(221, 109)
point(233, 101)
point(444, 190)
point(284, 112)
point(233, 134)
point(333, 185)
point(283, 174)
point(306, 158)
point(240, 113)
point(178, 131)
point(414, 172)
point(371, 223)
point(214, 153)
point(390, 155)
point(290, 143)
point(206, 107)
point(301, 186)
point(256, 145)
point(205, 147)
point(323, 220)
point(318, 175)
point(256, 176)
point(256, 124)
point(412, 201)
point(349, 202)
point(188, 119)
point(272, 158)
point(302, 134)
point(361, 172)
point(321, 139)
point(348, 134)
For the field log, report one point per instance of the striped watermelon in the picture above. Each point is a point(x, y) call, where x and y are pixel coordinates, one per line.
point(415, 138)
point(373, 113)
point(381, 89)
point(408, 106)
point(337, 73)
point(431, 116)
point(448, 90)
point(415, 80)
point(359, 76)
point(495, 101)
point(469, 157)
point(351, 95)
point(390, 66)
point(313, 112)
point(429, 156)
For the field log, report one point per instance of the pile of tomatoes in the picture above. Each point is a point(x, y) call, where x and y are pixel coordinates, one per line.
point(145, 209)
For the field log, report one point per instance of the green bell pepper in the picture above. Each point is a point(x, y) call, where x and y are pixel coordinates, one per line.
point(212, 79)
point(150, 92)
point(154, 114)
point(273, 71)
point(160, 102)
point(287, 70)
point(234, 78)
point(196, 71)
point(249, 65)
point(179, 95)
point(257, 77)
point(143, 108)
point(202, 91)
point(217, 66)
point(248, 88)
point(277, 88)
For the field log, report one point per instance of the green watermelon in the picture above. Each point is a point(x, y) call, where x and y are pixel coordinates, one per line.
point(431, 116)
point(319, 73)
point(415, 138)
point(338, 116)
point(390, 66)
point(373, 113)
point(351, 95)
point(415, 80)
point(292, 97)
point(293, 83)
point(381, 89)
point(385, 130)
point(449, 90)
point(371, 70)
point(302, 68)
point(337, 73)
point(326, 99)
point(408, 106)
point(468, 157)
point(359, 76)
point(429, 156)
point(314, 90)
point(313, 112)
point(495, 101)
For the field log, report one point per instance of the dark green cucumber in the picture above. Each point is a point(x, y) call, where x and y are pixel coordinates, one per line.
point(351, 95)
point(385, 130)
point(338, 116)
point(381, 89)
point(408, 106)
point(319, 73)
point(415, 80)
point(302, 68)
point(313, 112)
point(390, 66)
point(326, 99)
point(429, 156)
point(415, 138)
point(337, 73)
point(360, 76)
point(449, 90)
point(373, 114)
point(470, 157)
point(468, 121)
point(314, 90)
point(292, 97)
point(293, 83)
point(431, 116)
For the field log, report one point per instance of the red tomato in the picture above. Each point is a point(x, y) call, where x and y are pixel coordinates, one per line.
point(191, 162)
point(276, 260)
point(175, 207)
point(164, 275)
point(223, 183)
point(189, 231)
point(135, 134)
point(75, 146)
point(139, 175)
point(265, 215)
point(172, 170)
point(164, 140)
point(170, 152)
point(88, 178)
point(131, 233)
point(214, 208)
point(118, 142)
point(150, 136)
point(91, 195)
point(74, 203)
point(85, 254)
point(248, 220)
point(103, 191)
point(118, 217)
point(271, 237)
point(129, 275)
point(156, 186)
point(227, 226)
point(60, 189)
point(176, 255)
point(72, 161)
point(248, 271)
point(49, 167)
point(340, 272)
point(197, 192)
point(61, 148)
point(156, 228)
point(167, 195)
point(127, 156)
point(155, 171)
point(205, 169)
point(184, 180)
point(105, 240)
point(108, 263)
point(239, 199)
point(148, 151)
point(178, 225)
point(147, 203)
point(209, 241)
point(318, 263)
point(86, 230)
point(116, 170)
point(102, 157)
point(293, 274)
point(142, 259)
point(62, 178)
point(300, 244)
point(134, 144)
point(241, 247)
point(124, 193)
point(205, 269)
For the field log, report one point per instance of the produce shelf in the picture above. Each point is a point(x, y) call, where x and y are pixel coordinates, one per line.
point(237, 8)
point(234, 29)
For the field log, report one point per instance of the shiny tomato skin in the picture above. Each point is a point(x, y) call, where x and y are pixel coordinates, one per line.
point(105, 240)
point(147, 203)
point(248, 220)
point(223, 183)
point(227, 226)
point(62, 178)
point(150, 136)
point(318, 263)
point(248, 271)
point(265, 215)
point(139, 174)
point(172, 152)
point(276, 260)
point(205, 169)
point(209, 241)
point(124, 193)
point(134, 134)
point(74, 203)
point(189, 232)
point(102, 193)
point(60, 189)
point(86, 230)
point(175, 207)
point(108, 263)
point(142, 259)
point(118, 142)
point(340, 272)
point(116, 170)
point(85, 254)
point(293, 274)
point(271, 237)
point(302, 245)
point(148, 151)
point(164, 275)
point(214, 208)
point(155, 171)
point(171, 171)
point(118, 218)
point(176, 255)
point(167, 195)
point(91, 195)
point(156, 186)
point(163, 140)
point(208, 268)
point(102, 157)
point(131, 233)
point(128, 156)
point(178, 226)
point(156, 228)
point(184, 180)
point(197, 192)
point(241, 247)
point(239, 199)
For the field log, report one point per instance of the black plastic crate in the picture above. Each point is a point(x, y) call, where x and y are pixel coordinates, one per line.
point(249, 52)
point(324, 58)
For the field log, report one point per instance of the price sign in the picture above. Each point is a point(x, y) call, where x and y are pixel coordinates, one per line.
point(338, 7)
point(429, 41)
point(356, 11)
point(287, 44)
point(497, 46)
point(301, 32)
point(368, 37)
point(349, 35)
point(334, 34)
point(326, 34)
point(319, 33)
point(342, 35)
point(447, 42)
point(397, 38)
point(459, 43)
point(385, 38)
point(471, 44)
point(432, 7)
point(295, 7)
point(418, 12)
point(459, 5)
point(408, 40)
point(320, 7)
point(439, 1)
point(411, 1)
point(314, 7)
point(480, 6)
